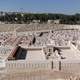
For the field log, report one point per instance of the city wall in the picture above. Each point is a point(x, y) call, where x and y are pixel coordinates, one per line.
point(24, 66)
point(71, 66)
point(35, 27)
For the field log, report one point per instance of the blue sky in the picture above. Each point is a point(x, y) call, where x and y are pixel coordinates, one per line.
point(52, 6)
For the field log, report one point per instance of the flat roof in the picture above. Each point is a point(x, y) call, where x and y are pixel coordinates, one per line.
point(70, 54)
point(35, 54)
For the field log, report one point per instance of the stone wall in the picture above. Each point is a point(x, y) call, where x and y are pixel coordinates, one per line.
point(24, 66)
point(35, 27)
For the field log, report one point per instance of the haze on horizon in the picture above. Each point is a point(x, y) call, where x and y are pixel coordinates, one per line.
point(41, 6)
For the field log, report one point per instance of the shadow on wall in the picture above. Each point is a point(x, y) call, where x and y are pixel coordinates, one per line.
point(20, 54)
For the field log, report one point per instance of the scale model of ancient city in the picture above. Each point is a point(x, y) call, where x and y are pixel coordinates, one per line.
point(39, 51)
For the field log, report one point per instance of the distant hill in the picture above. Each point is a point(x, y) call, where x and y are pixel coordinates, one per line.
point(20, 18)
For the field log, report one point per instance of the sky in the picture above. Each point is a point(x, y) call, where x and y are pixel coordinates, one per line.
point(41, 6)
